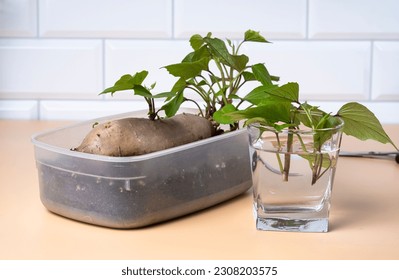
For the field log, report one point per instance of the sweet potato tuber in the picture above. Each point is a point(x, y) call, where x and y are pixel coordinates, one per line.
point(137, 136)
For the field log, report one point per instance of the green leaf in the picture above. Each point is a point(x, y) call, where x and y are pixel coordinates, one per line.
point(142, 91)
point(273, 93)
point(221, 91)
point(254, 36)
point(361, 123)
point(139, 77)
point(173, 105)
point(321, 136)
point(259, 120)
point(187, 70)
point(240, 62)
point(201, 83)
point(153, 86)
point(127, 82)
point(167, 95)
point(198, 54)
point(189, 57)
point(234, 96)
point(274, 78)
point(289, 91)
point(310, 115)
point(263, 121)
point(124, 83)
point(248, 76)
point(201, 53)
point(272, 112)
point(230, 43)
point(261, 74)
point(196, 41)
point(312, 158)
point(214, 79)
point(280, 127)
point(219, 50)
point(179, 85)
point(221, 116)
point(262, 93)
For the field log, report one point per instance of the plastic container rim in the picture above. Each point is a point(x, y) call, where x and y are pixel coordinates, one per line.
point(68, 152)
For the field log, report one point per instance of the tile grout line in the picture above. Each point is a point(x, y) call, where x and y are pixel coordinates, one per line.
point(307, 20)
point(370, 84)
point(37, 18)
point(38, 101)
point(38, 109)
point(103, 56)
point(173, 20)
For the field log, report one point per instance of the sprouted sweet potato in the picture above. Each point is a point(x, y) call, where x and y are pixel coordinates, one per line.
point(217, 91)
point(136, 136)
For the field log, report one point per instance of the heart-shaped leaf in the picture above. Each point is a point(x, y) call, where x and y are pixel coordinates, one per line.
point(361, 123)
point(261, 74)
point(188, 70)
point(254, 36)
point(221, 116)
point(127, 82)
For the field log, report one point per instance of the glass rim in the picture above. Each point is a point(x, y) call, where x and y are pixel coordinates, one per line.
point(307, 130)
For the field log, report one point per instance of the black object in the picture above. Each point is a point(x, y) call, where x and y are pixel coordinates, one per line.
point(378, 155)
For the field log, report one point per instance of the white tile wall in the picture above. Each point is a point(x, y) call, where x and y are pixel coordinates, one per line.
point(276, 19)
point(350, 19)
point(324, 70)
point(19, 109)
point(33, 68)
point(57, 55)
point(109, 18)
point(385, 77)
point(76, 110)
point(122, 57)
point(18, 18)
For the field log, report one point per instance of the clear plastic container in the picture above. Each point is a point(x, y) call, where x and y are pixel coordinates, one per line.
point(131, 192)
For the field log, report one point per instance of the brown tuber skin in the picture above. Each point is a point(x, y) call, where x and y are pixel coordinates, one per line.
point(137, 136)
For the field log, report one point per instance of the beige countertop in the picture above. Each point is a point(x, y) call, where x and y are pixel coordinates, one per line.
point(364, 218)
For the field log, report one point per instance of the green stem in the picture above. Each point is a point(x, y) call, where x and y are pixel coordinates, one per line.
point(280, 163)
point(151, 108)
point(287, 157)
point(198, 90)
point(242, 100)
point(325, 170)
point(237, 81)
point(199, 107)
point(211, 90)
point(238, 47)
point(303, 146)
point(232, 81)
point(308, 116)
point(218, 83)
point(223, 77)
point(221, 74)
point(235, 84)
point(315, 168)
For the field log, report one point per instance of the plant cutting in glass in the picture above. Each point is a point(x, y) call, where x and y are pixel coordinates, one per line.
point(279, 108)
point(216, 72)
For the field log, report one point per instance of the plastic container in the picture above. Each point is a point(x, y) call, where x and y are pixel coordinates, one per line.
point(131, 192)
